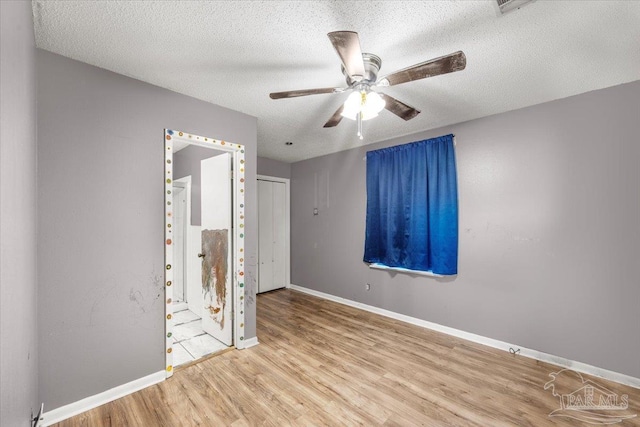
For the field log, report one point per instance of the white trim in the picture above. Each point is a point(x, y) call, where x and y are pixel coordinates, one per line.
point(186, 181)
point(501, 345)
point(287, 224)
point(179, 306)
point(378, 266)
point(251, 342)
point(67, 411)
point(273, 178)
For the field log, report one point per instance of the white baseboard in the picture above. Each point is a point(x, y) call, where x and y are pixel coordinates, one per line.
point(251, 342)
point(501, 345)
point(62, 413)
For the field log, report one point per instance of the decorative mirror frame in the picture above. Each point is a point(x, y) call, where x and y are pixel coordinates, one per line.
point(239, 209)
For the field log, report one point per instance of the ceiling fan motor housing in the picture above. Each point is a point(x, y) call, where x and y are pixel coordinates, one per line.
point(372, 64)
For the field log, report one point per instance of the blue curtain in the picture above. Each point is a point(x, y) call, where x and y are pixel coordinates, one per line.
point(412, 206)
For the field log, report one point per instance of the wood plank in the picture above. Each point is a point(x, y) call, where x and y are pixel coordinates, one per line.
point(320, 363)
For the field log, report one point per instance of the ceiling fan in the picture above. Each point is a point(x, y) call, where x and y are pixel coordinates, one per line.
point(361, 73)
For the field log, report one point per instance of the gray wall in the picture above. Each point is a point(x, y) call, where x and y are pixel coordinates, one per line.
point(187, 162)
point(270, 167)
point(549, 230)
point(18, 286)
point(101, 220)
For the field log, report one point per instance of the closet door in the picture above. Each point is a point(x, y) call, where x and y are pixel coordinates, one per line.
point(272, 235)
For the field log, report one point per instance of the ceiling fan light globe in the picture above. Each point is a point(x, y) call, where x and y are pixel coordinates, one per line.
point(369, 103)
point(352, 105)
point(349, 114)
point(373, 106)
point(368, 115)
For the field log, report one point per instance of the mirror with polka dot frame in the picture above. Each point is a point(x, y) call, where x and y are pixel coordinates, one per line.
point(234, 265)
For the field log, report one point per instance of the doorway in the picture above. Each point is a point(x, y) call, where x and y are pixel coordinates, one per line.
point(204, 246)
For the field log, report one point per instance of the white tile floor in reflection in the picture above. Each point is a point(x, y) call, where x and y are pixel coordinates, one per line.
point(190, 341)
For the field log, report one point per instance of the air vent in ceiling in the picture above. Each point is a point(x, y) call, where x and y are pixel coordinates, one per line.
point(508, 5)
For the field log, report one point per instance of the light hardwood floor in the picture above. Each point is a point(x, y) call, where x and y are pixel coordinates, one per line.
point(320, 363)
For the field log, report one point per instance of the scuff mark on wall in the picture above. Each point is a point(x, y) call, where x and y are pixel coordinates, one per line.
point(158, 284)
point(137, 298)
point(100, 297)
point(250, 281)
point(131, 299)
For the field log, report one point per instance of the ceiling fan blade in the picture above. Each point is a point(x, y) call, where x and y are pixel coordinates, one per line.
point(335, 119)
point(304, 92)
point(347, 45)
point(399, 108)
point(434, 67)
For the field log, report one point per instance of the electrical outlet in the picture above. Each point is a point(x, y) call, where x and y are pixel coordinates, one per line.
point(368, 287)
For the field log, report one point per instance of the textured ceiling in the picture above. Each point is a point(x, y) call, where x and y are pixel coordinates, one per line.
point(235, 53)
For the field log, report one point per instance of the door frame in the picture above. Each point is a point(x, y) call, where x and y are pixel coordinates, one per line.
point(186, 182)
point(238, 222)
point(287, 227)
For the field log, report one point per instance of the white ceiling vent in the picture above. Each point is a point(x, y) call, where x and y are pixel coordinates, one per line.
point(509, 5)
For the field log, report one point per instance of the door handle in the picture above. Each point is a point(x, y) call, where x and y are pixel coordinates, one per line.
point(201, 255)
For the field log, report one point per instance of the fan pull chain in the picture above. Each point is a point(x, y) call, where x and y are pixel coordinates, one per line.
point(360, 125)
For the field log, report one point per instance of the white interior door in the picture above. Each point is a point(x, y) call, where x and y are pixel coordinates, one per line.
point(272, 235)
point(216, 236)
point(194, 270)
